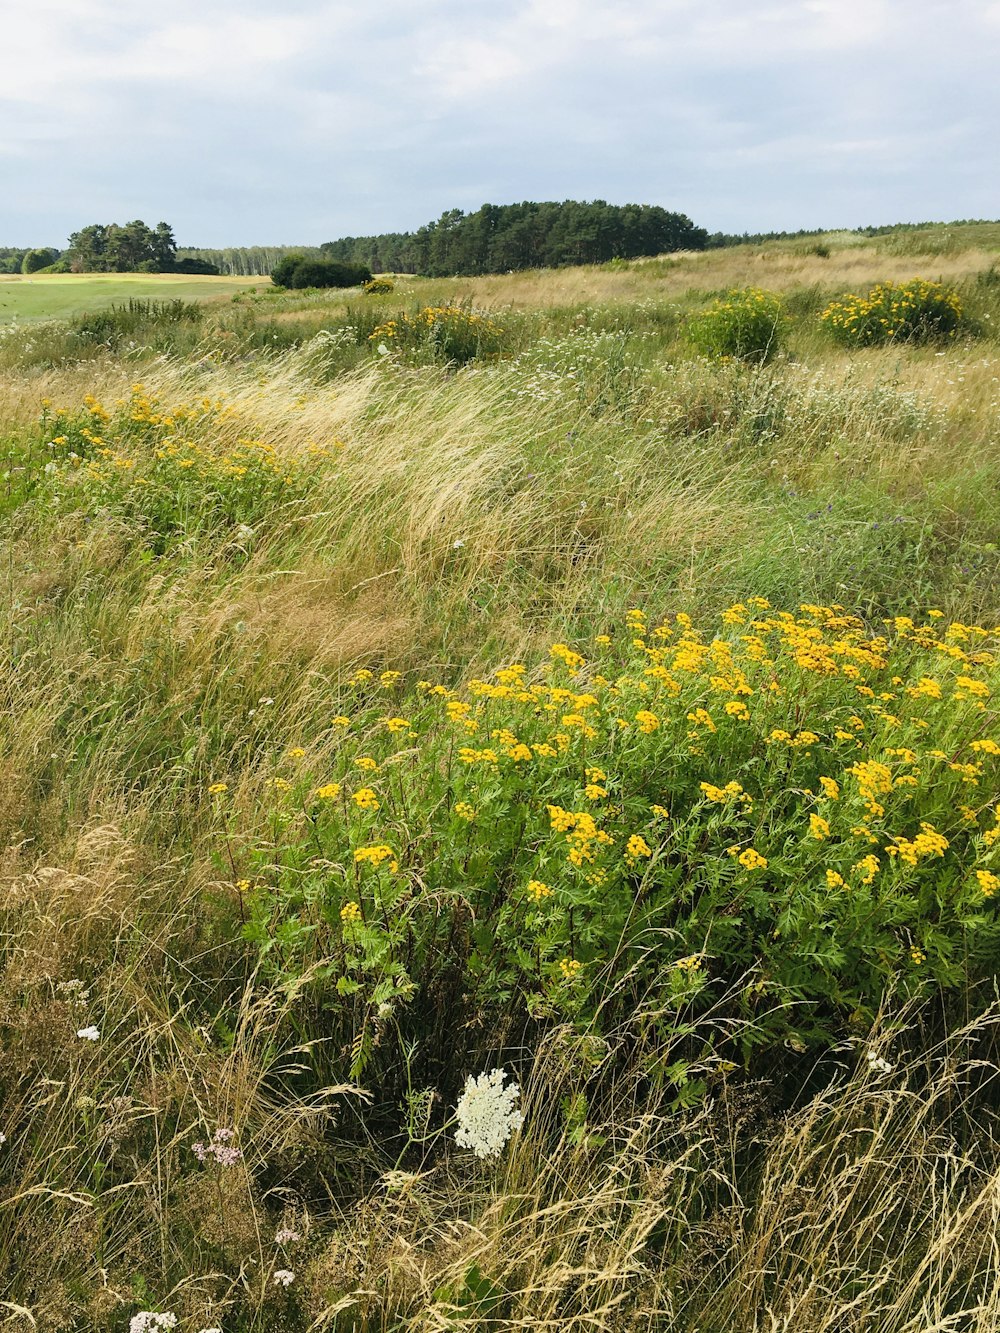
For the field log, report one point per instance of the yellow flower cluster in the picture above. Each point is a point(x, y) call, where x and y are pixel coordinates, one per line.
point(912, 310)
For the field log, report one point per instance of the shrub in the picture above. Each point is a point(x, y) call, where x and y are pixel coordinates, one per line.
point(447, 333)
point(791, 818)
point(378, 286)
point(746, 325)
point(913, 311)
point(296, 272)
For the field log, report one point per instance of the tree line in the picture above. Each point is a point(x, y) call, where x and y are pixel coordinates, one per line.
point(497, 238)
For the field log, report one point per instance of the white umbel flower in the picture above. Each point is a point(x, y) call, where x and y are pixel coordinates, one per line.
point(148, 1321)
point(486, 1113)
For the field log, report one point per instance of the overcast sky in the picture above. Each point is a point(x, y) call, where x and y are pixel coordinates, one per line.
point(276, 121)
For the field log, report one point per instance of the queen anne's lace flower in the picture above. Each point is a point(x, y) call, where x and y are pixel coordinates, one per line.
point(148, 1321)
point(486, 1113)
point(283, 1277)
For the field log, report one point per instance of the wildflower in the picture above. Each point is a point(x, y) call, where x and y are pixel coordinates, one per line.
point(340, 721)
point(350, 913)
point(689, 964)
point(876, 1063)
point(296, 752)
point(376, 855)
point(538, 890)
point(570, 968)
point(465, 811)
point(486, 1113)
point(89, 1034)
point(736, 708)
point(366, 799)
point(752, 860)
point(397, 724)
point(917, 955)
point(831, 789)
point(280, 784)
point(988, 882)
point(366, 763)
point(148, 1321)
point(285, 1235)
point(637, 847)
point(217, 788)
point(648, 722)
point(833, 880)
point(329, 792)
point(660, 811)
point(283, 1277)
point(819, 828)
point(220, 1148)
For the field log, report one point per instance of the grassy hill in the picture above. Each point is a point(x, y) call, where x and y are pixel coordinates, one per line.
point(401, 687)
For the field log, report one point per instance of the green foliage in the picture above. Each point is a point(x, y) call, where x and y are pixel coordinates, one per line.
point(781, 819)
point(134, 247)
point(38, 259)
point(448, 333)
point(747, 324)
point(298, 271)
point(914, 311)
point(501, 237)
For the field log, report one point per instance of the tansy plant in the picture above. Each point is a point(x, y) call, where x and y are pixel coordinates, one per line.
point(794, 810)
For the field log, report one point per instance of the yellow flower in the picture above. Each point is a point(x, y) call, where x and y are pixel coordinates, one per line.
point(217, 788)
point(397, 724)
point(831, 790)
point(988, 882)
point(366, 763)
point(736, 708)
point(637, 847)
point(570, 968)
point(328, 793)
point(538, 890)
point(752, 860)
point(280, 784)
point(366, 799)
point(296, 752)
point(341, 721)
point(376, 855)
point(917, 956)
point(833, 880)
point(648, 722)
point(350, 913)
point(819, 828)
point(660, 811)
point(465, 811)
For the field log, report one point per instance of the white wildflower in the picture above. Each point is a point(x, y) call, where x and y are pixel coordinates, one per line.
point(458, 543)
point(148, 1321)
point(244, 531)
point(486, 1113)
point(89, 1034)
point(283, 1277)
point(285, 1235)
point(876, 1064)
point(3, 1139)
point(382, 349)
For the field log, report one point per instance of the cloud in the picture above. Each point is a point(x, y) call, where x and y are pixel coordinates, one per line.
point(251, 121)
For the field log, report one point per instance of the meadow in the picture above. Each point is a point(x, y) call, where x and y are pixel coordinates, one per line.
point(475, 676)
point(59, 295)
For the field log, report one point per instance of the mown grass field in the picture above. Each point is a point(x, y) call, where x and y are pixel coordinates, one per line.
point(59, 295)
point(401, 687)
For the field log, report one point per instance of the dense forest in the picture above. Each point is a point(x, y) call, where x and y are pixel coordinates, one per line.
point(502, 237)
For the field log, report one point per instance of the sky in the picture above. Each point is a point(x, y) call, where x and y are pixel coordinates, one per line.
point(246, 122)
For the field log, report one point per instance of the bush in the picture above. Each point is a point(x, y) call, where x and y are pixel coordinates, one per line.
point(296, 272)
point(914, 311)
point(378, 287)
point(445, 333)
point(745, 325)
point(789, 816)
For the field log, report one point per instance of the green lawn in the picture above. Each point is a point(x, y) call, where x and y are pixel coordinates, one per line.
point(60, 295)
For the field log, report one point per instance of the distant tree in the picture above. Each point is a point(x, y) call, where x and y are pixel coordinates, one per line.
point(35, 259)
point(129, 248)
